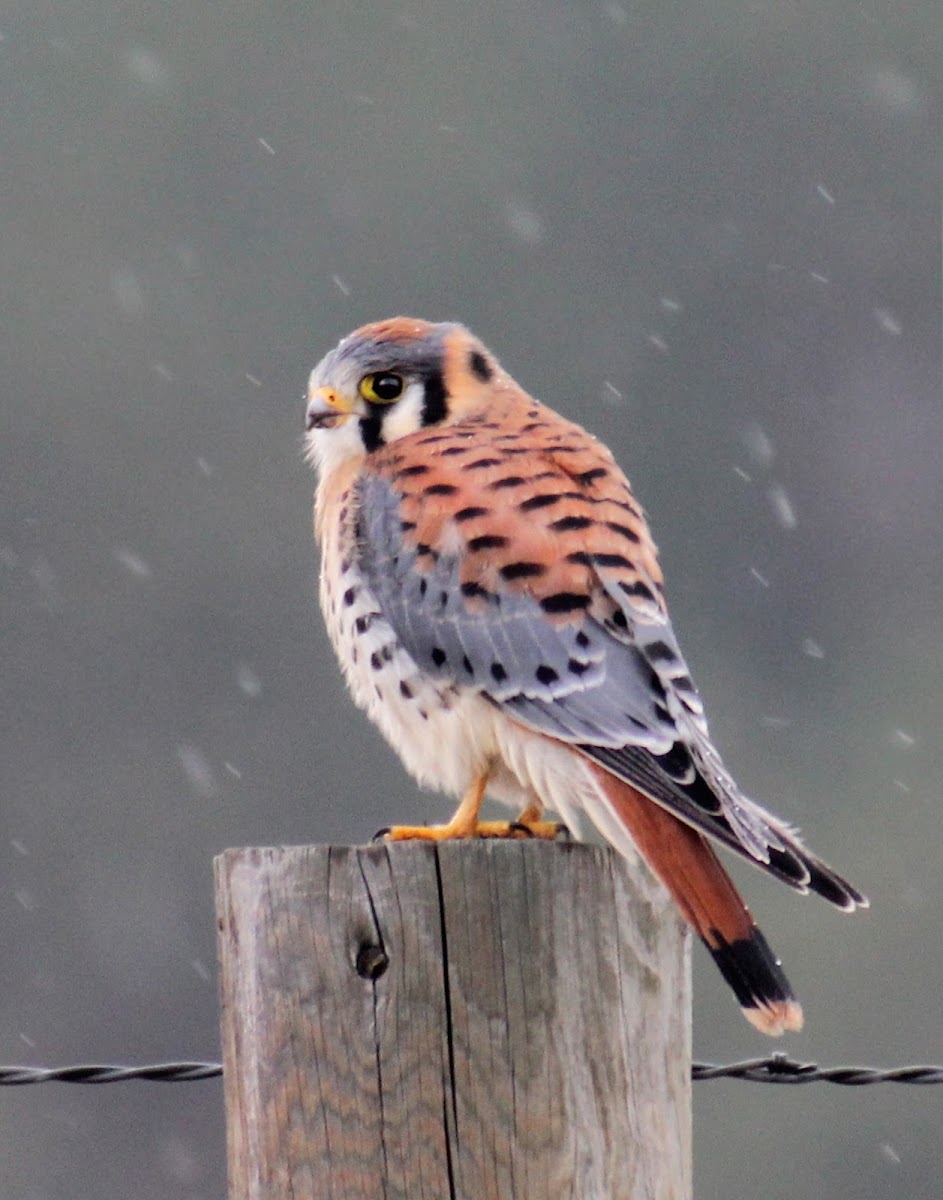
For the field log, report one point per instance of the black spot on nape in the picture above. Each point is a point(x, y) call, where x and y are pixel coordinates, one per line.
point(564, 602)
point(469, 514)
point(589, 476)
point(438, 655)
point(440, 489)
point(498, 673)
point(538, 502)
point(371, 428)
point(563, 524)
point(479, 366)
point(522, 570)
point(660, 652)
point(488, 541)
point(434, 400)
point(546, 675)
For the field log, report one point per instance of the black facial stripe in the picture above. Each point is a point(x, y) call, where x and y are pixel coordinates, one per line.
point(371, 427)
point(434, 407)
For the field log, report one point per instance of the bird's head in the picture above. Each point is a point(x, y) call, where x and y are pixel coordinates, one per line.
point(390, 379)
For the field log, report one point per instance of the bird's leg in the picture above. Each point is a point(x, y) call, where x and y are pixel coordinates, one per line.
point(529, 824)
point(465, 824)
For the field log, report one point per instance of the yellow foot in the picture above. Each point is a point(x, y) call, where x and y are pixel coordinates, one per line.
point(548, 830)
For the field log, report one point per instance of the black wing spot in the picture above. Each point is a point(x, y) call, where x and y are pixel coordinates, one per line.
point(538, 502)
point(438, 655)
point(350, 596)
point(575, 667)
point(563, 524)
point(472, 589)
point(443, 598)
point(466, 663)
point(619, 619)
point(522, 570)
point(545, 674)
point(488, 541)
point(582, 640)
point(423, 586)
point(469, 514)
point(405, 690)
point(638, 590)
point(661, 652)
point(498, 673)
point(564, 602)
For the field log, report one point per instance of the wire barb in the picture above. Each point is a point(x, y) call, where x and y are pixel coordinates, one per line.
point(776, 1069)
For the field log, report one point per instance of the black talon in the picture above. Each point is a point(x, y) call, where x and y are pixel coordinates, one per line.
point(564, 833)
point(381, 833)
point(520, 827)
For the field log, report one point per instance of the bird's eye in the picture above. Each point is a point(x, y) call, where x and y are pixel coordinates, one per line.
point(382, 388)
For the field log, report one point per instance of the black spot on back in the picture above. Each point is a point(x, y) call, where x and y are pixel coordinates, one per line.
point(522, 570)
point(566, 523)
point(509, 481)
point(538, 502)
point(623, 531)
point(409, 472)
point(468, 514)
point(594, 473)
point(564, 602)
point(488, 541)
point(440, 489)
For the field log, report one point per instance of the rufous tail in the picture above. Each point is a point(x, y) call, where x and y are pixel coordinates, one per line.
point(687, 865)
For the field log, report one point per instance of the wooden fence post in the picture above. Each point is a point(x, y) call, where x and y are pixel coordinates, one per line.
point(469, 1021)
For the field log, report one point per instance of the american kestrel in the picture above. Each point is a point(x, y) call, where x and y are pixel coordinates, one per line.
point(494, 597)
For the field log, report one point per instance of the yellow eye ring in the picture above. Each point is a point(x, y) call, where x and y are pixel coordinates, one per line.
point(383, 387)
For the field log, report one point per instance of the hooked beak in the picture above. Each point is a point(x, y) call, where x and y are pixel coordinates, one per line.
point(326, 408)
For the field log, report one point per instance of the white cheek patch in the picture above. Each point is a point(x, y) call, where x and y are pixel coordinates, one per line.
point(328, 448)
point(405, 416)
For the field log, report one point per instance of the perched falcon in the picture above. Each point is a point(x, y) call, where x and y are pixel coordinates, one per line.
point(493, 594)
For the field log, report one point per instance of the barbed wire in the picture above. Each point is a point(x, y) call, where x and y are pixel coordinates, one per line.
point(775, 1069)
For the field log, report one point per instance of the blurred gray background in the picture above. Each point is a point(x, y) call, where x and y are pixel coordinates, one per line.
point(710, 232)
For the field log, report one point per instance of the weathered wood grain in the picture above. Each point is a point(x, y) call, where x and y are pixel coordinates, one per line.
point(473, 1021)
